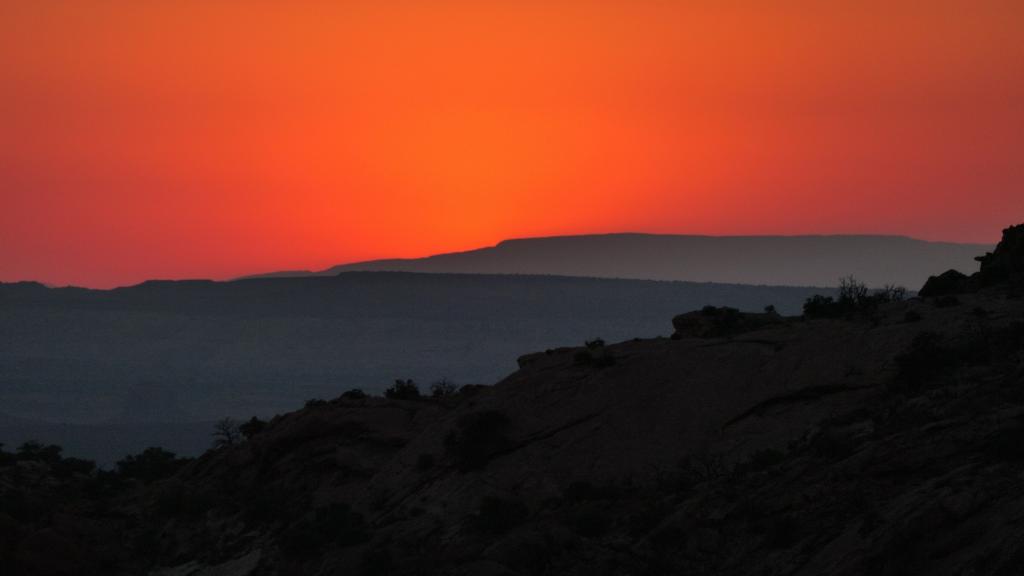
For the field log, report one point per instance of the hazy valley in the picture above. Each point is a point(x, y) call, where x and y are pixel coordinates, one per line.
point(105, 373)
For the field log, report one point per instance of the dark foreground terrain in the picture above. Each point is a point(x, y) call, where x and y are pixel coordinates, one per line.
point(871, 436)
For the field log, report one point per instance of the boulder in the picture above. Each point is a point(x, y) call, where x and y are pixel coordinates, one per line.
point(1004, 265)
point(949, 282)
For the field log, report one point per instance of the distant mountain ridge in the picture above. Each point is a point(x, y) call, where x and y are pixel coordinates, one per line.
point(760, 260)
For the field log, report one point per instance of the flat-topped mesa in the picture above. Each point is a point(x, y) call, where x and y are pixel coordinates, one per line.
point(712, 322)
point(1004, 265)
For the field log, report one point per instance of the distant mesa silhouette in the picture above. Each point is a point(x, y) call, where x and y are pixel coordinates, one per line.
point(770, 260)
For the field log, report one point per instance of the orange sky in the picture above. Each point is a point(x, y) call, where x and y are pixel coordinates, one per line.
point(212, 138)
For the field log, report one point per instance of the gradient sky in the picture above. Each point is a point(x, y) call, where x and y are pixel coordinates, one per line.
point(213, 138)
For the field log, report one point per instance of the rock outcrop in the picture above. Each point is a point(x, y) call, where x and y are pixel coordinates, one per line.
point(1003, 266)
point(1006, 263)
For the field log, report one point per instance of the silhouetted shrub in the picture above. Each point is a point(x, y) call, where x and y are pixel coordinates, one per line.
point(595, 354)
point(726, 318)
point(49, 454)
point(891, 293)
point(477, 438)
point(443, 388)
point(720, 322)
point(854, 297)
point(403, 390)
point(226, 433)
point(770, 309)
point(912, 316)
point(353, 394)
point(851, 291)
point(67, 467)
point(819, 306)
point(251, 428)
point(150, 465)
point(36, 452)
point(499, 515)
point(947, 301)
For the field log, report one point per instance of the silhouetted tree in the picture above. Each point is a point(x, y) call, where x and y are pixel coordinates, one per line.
point(819, 306)
point(151, 464)
point(854, 297)
point(73, 466)
point(35, 451)
point(442, 388)
point(852, 292)
point(251, 428)
point(892, 293)
point(403, 390)
point(225, 433)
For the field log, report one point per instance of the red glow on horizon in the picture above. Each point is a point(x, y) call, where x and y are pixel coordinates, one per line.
point(215, 139)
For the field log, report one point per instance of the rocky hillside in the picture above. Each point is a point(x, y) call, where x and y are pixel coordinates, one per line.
point(873, 435)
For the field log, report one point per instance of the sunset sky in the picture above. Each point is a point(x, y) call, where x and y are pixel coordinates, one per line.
point(214, 138)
